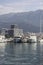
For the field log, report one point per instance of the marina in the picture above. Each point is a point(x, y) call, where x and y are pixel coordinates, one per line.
point(21, 32)
point(19, 48)
point(17, 35)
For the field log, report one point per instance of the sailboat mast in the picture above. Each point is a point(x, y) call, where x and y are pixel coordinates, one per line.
point(40, 25)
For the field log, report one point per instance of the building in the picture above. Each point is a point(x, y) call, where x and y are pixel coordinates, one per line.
point(9, 33)
point(14, 31)
point(18, 32)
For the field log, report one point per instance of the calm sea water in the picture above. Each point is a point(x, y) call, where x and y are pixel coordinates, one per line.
point(21, 54)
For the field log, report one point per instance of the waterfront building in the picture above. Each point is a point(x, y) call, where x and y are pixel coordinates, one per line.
point(18, 32)
point(9, 33)
point(14, 31)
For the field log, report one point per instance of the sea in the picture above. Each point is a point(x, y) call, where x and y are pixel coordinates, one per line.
point(21, 53)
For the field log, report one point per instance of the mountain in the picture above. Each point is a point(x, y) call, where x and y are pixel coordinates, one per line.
point(29, 21)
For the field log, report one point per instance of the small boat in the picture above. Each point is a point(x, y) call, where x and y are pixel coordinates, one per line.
point(17, 40)
point(31, 41)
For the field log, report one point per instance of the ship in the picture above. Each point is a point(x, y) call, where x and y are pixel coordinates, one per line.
point(32, 38)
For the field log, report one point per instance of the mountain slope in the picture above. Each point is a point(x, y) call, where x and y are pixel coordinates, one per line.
point(29, 21)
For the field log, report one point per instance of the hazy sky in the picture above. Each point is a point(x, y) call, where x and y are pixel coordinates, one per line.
point(7, 6)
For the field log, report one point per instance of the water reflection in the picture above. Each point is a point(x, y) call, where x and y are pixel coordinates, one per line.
point(23, 54)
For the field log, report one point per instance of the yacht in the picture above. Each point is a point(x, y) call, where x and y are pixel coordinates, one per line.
point(17, 40)
point(41, 40)
point(32, 39)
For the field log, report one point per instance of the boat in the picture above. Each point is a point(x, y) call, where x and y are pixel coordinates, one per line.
point(2, 39)
point(24, 40)
point(17, 40)
point(41, 34)
point(41, 41)
point(32, 39)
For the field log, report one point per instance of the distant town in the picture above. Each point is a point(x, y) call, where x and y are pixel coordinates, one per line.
point(17, 35)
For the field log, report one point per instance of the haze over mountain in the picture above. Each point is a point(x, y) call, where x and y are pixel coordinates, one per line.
point(29, 21)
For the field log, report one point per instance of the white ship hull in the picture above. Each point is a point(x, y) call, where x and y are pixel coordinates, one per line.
point(33, 38)
point(41, 41)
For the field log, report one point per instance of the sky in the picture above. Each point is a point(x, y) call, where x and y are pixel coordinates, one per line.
point(9, 6)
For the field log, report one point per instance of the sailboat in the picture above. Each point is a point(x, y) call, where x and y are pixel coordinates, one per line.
point(41, 34)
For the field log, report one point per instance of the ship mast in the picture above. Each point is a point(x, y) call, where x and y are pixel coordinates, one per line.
point(40, 25)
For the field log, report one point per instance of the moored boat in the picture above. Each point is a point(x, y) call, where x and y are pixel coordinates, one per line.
point(32, 39)
point(17, 40)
